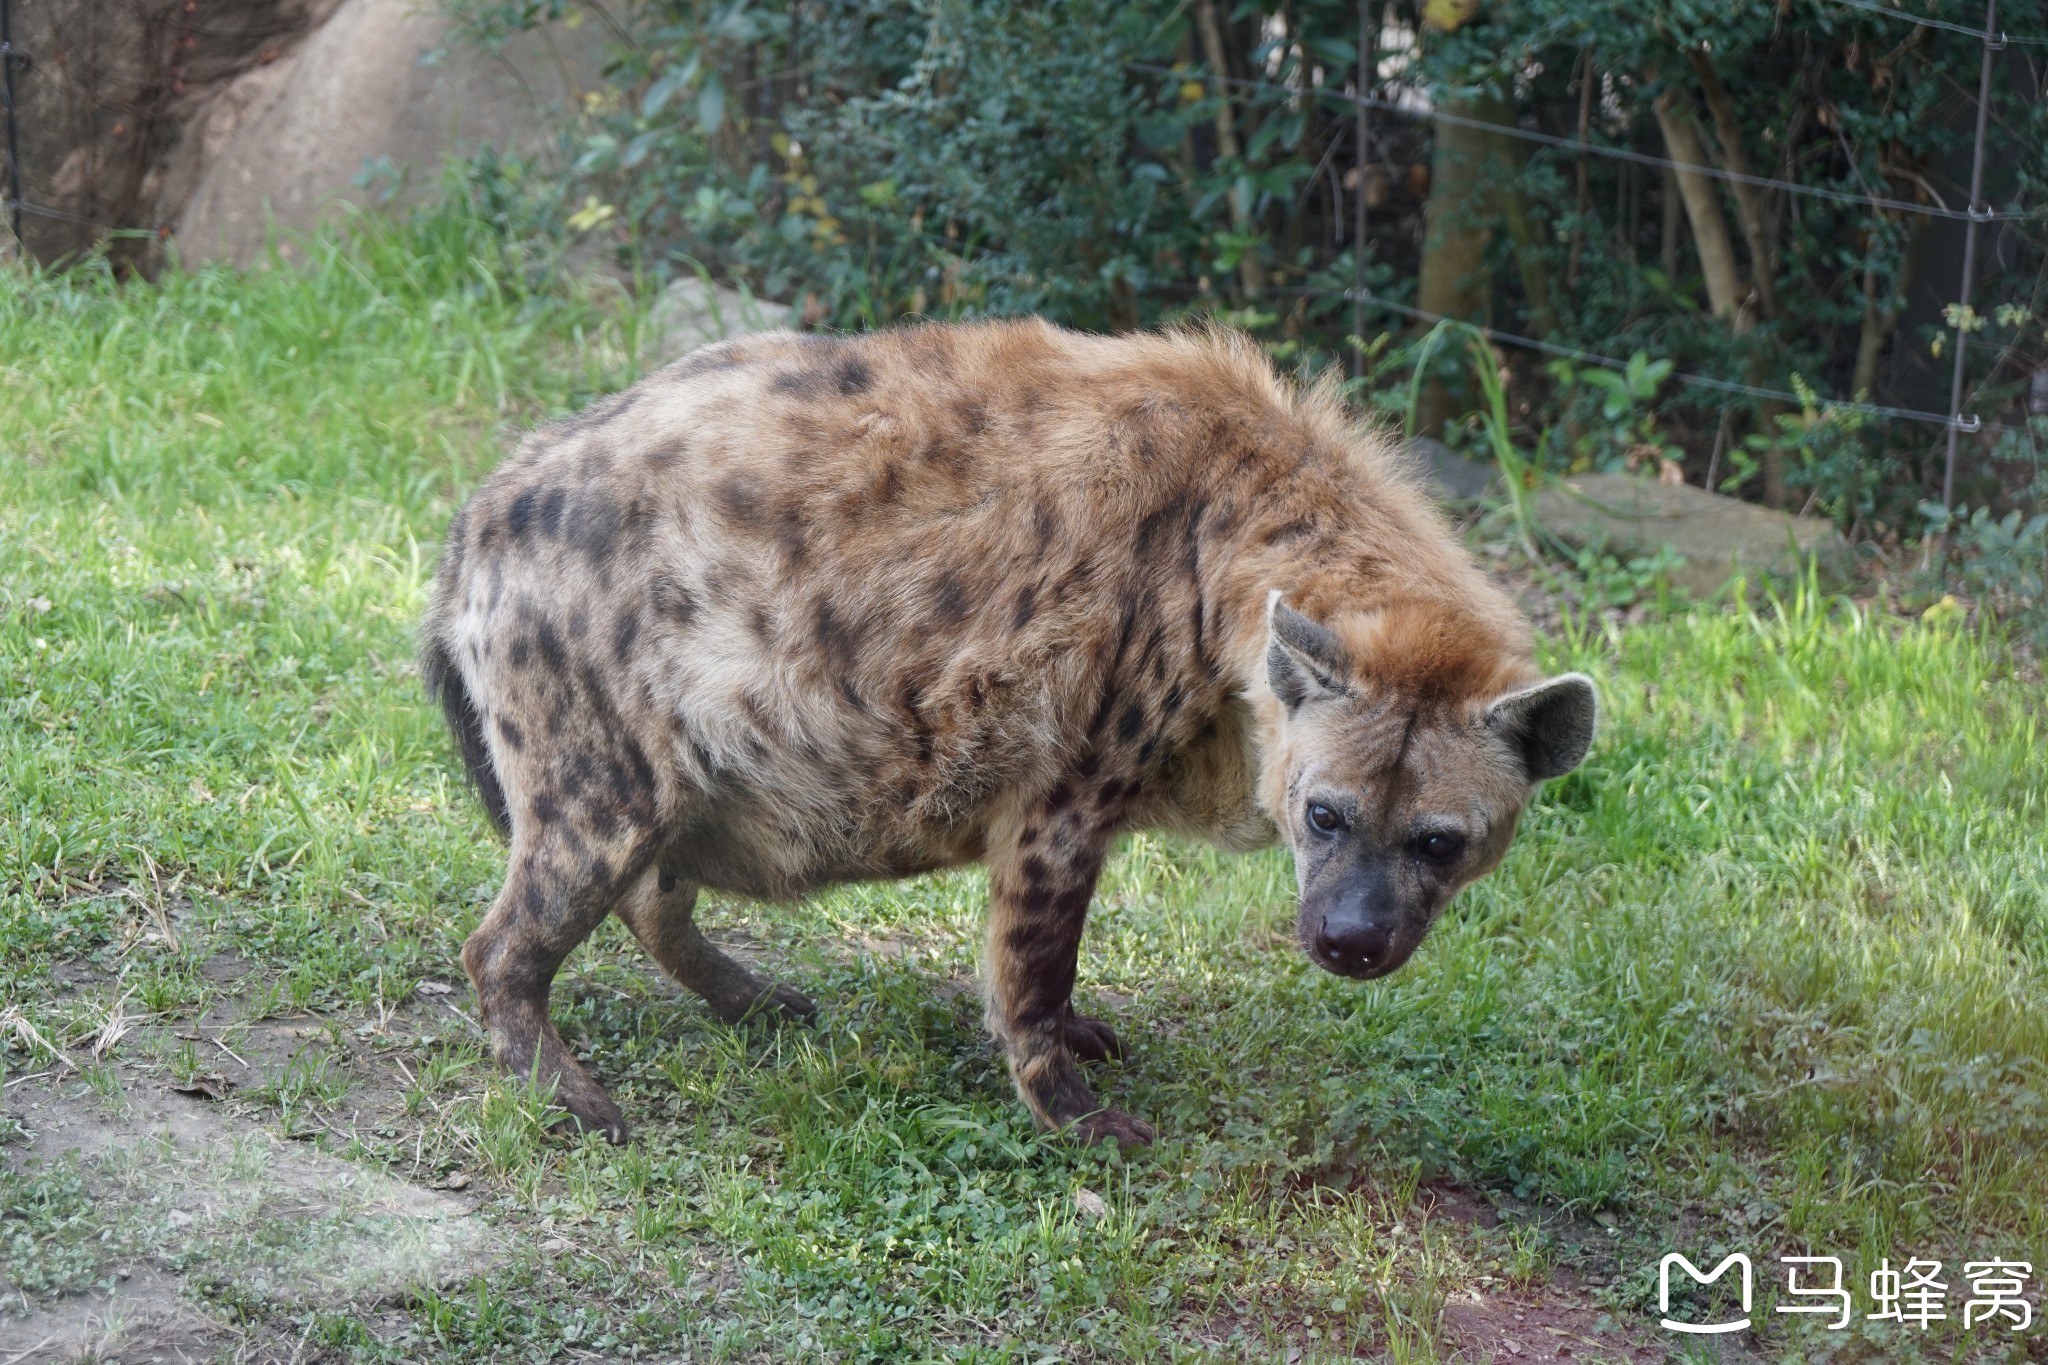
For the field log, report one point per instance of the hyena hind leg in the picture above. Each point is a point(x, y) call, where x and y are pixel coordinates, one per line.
point(660, 909)
point(550, 902)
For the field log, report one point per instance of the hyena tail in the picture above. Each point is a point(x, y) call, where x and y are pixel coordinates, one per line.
point(444, 682)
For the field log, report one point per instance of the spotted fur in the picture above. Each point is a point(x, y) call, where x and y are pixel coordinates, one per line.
point(801, 610)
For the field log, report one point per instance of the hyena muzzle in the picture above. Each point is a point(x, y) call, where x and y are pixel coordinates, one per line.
point(800, 610)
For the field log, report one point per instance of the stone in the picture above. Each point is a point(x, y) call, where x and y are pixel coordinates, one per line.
point(366, 110)
point(693, 312)
point(1719, 537)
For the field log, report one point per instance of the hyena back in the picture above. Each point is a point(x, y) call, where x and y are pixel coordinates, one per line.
point(800, 610)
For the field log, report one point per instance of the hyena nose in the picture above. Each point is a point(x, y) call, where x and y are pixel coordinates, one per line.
point(1355, 942)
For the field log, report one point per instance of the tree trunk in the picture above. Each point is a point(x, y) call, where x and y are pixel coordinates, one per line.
point(1749, 203)
point(1879, 321)
point(1251, 271)
point(1525, 228)
point(1453, 279)
point(1571, 260)
point(1727, 296)
point(1725, 290)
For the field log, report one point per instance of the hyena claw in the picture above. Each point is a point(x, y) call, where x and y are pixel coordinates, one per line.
point(1126, 1131)
point(1091, 1040)
point(777, 1002)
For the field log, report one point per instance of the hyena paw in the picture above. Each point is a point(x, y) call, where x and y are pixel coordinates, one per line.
point(589, 1110)
point(1128, 1132)
point(1092, 1040)
point(793, 1003)
point(765, 1003)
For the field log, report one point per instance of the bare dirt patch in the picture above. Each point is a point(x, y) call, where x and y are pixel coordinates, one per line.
point(1555, 1321)
point(193, 1207)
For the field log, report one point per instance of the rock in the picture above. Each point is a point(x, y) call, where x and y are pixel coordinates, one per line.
point(1719, 537)
point(381, 84)
point(1452, 477)
point(692, 313)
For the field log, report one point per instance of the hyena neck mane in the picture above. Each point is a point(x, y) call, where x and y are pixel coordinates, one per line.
point(1350, 547)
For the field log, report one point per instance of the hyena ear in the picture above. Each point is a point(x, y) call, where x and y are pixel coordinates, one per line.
point(1304, 661)
point(1550, 724)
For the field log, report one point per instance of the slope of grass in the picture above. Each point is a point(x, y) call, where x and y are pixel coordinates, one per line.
point(1765, 975)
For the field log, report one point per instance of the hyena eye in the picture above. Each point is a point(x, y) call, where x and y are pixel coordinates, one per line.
point(1440, 847)
point(1322, 819)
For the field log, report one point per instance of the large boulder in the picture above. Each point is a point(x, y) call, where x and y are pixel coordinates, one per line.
point(383, 86)
point(1719, 537)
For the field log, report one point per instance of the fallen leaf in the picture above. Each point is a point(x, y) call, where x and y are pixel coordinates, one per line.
point(209, 1086)
point(435, 988)
point(1091, 1204)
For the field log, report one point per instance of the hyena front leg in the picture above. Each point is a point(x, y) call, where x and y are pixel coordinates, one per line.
point(1042, 872)
point(660, 909)
point(557, 888)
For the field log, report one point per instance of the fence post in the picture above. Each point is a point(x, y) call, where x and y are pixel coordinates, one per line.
point(1993, 41)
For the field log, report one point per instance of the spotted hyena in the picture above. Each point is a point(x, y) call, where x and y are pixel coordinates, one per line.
point(800, 610)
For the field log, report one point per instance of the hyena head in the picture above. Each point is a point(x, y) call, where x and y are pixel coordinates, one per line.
point(1408, 740)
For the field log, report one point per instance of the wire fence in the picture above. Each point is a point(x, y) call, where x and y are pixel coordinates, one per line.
point(1955, 422)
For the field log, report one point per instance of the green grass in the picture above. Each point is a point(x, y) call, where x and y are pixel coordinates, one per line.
point(1765, 975)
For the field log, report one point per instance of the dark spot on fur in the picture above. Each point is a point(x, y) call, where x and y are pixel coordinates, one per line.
point(550, 514)
point(975, 417)
point(550, 646)
point(519, 517)
point(579, 624)
point(852, 378)
point(1104, 705)
point(1027, 603)
point(802, 383)
point(838, 640)
point(760, 623)
point(1037, 871)
point(740, 500)
point(1170, 703)
point(668, 454)
point(521, 652)
point(674, 603)
point(1133, 721)
point(1028, 837)
point(790, 535)
point(1156, 523)
point(665, 880)
point(1045, 524)
point(1060, 797)
point(508, 730)
point(624, 632)
point(852, 695)
point(595, 526)
point(546, 811)
point(949, 603)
